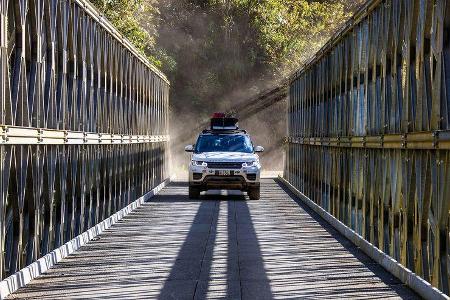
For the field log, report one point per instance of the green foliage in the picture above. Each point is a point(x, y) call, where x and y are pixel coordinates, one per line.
point(226, 51)
point(226, 44)
point(283, 31)
point(254, 35)
point(136, 20)
point(218, 53)
point(292, 28)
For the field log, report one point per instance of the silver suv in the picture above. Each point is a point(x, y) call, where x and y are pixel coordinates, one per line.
point(224, 158)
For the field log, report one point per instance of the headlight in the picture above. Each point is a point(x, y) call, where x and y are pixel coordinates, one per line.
point(199, 163)
point(250, 164)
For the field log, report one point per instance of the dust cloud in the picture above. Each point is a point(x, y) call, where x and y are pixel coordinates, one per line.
point(267, 128)
point(215, 73)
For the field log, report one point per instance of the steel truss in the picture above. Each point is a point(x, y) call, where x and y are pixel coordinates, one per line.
point(368, 126)
point(84, 125)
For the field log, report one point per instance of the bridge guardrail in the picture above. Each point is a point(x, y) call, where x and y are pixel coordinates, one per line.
point(83, 125)
point(368, 126)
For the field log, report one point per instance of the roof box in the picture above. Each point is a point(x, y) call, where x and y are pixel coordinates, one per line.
point(220, 121)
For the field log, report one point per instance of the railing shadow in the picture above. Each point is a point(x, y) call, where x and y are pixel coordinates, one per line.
point(390, 280)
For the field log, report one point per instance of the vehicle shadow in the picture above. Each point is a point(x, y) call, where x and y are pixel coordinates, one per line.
point(227, 218)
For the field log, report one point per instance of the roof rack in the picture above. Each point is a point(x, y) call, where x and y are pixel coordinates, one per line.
point(225, 131)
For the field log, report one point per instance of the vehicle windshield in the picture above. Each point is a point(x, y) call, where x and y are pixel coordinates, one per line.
point(223, 143)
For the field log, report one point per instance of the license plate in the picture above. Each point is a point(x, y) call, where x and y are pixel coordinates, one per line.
point(224, 172)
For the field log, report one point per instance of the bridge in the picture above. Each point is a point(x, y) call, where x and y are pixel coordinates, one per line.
point(88, 210)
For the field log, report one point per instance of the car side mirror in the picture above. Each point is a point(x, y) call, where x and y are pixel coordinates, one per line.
point(259, 149)
point(189, 148)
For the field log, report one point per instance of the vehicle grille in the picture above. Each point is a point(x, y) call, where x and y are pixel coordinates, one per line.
point(211, 179)
point(225, 165)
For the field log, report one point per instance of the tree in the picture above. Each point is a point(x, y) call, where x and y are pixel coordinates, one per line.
point(137, 20)
point(219, 53)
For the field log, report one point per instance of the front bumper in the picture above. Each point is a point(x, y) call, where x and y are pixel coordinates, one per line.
point(242, 179)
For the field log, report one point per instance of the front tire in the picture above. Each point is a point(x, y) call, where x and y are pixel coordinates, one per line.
point(254, 194)
point(194, 193)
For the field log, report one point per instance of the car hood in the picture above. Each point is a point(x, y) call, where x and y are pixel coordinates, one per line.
point(225, 157)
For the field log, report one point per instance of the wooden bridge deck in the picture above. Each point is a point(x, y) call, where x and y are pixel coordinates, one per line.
point(219, 247)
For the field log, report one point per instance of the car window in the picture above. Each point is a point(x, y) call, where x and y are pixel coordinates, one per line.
point(223, 143)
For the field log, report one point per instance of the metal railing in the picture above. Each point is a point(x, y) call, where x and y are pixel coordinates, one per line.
point(369, 131)
point(83, 125)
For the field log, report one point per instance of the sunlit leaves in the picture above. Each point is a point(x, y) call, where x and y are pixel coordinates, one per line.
point(135, 19)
